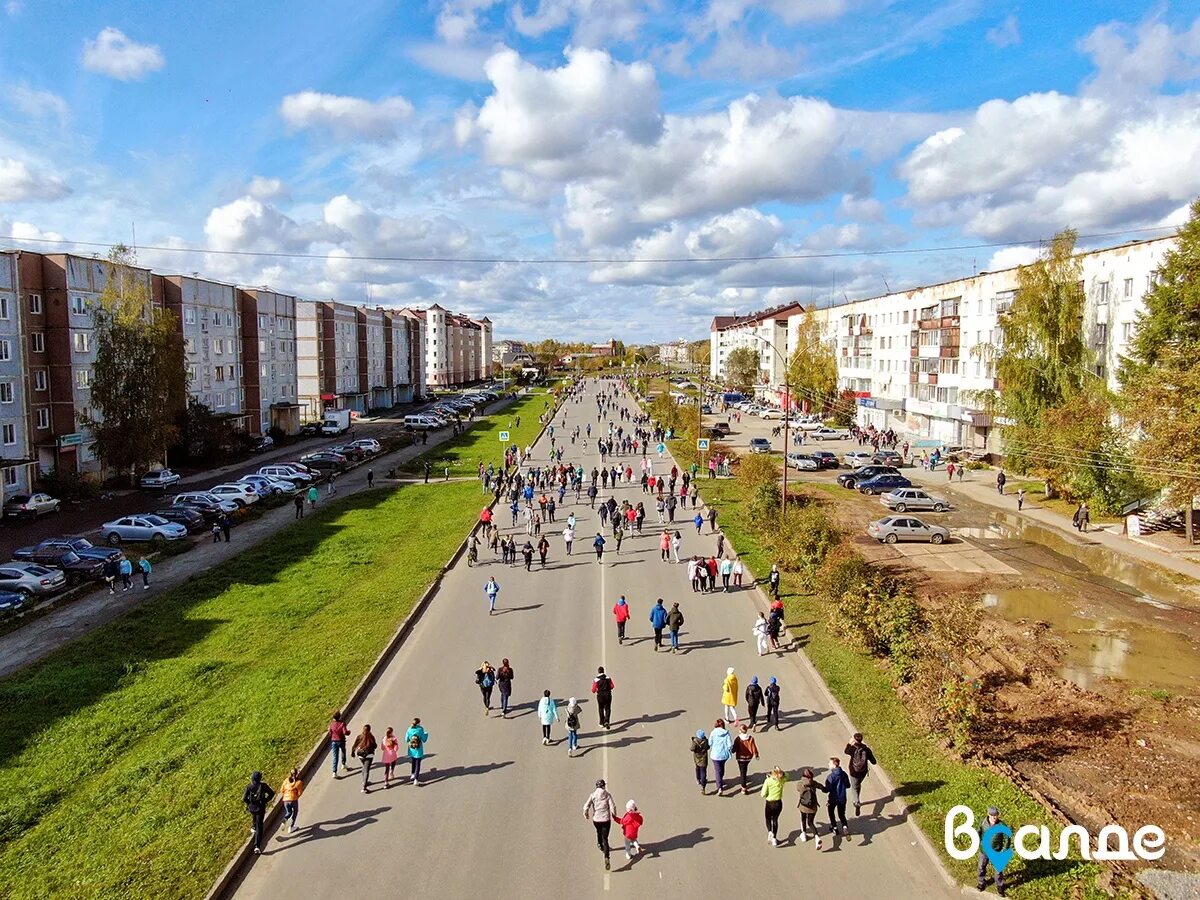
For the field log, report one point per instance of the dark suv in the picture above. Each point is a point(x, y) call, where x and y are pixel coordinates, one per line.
point(75, 567)
point(862, 473)
point(81, 546)
point(882, 484)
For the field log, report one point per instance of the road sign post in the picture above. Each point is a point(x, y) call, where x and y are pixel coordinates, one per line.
point(504, 437)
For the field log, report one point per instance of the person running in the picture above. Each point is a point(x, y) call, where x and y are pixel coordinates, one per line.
point(754, 698)
point(729, 695)
point(573, 710)
point(485, 677)
point(621, 614)
point(389, 753)
point(720, 748)
point(700, 758)
point(861, 758)
point(416, 737)
point(630, 824)
point(289, 795)
point(772, 793)
point(773, 581)
point(255, 798)
point(698, 521)
point(658, 621)
point(600, 810)
point(836, 783)
point(761, 632)
point(808, 804)
point(547, 714)
point(338, 732)
point(674, 623)
point(527, 555)
point(492, 590)
point(504, 680)
point(771, 695)
point(602, 687)
point(598, 546)
point(745, 750)
point(364, 748)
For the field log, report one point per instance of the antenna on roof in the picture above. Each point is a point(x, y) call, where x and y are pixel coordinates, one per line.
point(887, 286)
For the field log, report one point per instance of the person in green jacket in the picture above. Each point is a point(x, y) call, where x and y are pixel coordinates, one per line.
point(415, 738)
point(772, 792)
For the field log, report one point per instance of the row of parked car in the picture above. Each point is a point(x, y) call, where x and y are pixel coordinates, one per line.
point(448, 409)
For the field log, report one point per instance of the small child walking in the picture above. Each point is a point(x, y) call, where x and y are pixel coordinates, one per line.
point(630, 823)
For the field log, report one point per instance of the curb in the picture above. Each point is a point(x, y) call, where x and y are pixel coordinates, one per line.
point(239, 866)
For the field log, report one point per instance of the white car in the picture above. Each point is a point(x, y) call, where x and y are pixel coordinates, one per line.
point(237, 492)
point(904, 499)
point(772, 414)
point(287, 473)
point(154, 529)
point(856, 458)
point(269, 484)
point(223, 503)
point(370, 445)
point(160, 480)
point(803, 462)
point(810, 423)
point(830, 434)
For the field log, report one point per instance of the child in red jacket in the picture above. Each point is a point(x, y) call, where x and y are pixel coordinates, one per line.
point(630, 823)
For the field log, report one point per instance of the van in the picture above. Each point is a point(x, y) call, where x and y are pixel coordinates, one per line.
point(419, 421)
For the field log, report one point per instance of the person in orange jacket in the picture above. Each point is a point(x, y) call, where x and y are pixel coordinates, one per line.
point(630, 823)
point(621, 614)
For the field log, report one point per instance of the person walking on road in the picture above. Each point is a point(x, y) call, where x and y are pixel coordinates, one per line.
point(729, 695)
point(674, 623)
point(621, 614)
point(338, 732)
point(860, 759)
point(298, 502)
point(771, 695)
point(664, 546)
point(700, 759)
point(527, 555)
point(761, 634)
point(712, 520)
point(773, 580)
point(547, 715)
point(598, 546)
point(289, 795)
point(602, 687)
point(808, 804)
point(600, 810)
point(543, 548)
point(772, 793)
point(836, 783)
point(492, 590)
point(726, 568)
point(370, 478)
point(720, 748)
point(313, 495)
point(255, 798)
point(573, 710)
point(737, 572)
point(1020, 498)
point(389, 753)
point(720, 544)
point(504, 680)
point(485, 677)
point(698, 522)
point(125, 568)
point(754, 699)
point(1000, 842)
point(1000, 479)
point(676, 543)
point(364, 748)
point(144, 568)
point(631, 824)
point(416, 737)
point(568, 535)
point(745, 750)
point(658, 621)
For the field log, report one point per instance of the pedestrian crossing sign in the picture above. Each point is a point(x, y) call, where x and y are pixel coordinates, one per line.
point(702, 444)
point(504, 437)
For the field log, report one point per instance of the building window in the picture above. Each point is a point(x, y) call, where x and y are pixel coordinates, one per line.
point(10, 476)
point(1128, 287)
point(41, 380)
point(1126, 331)
point(1102, 292)
point(5, 350)
point(43, 418)
point(6, 392)
point(35, 304)
point(37, 342)
point(81, 341)
point(83, 378)
point(3, 307)
point(189, 316)
point(1101, 333)
point(10, 435)
point(78, 305)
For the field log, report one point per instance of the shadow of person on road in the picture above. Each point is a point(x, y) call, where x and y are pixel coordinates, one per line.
point(317, 831)
point(613, 745)
point(685, 841)
point(788, 721)
point(509, 609)
point(434, 775)
point(709, 645)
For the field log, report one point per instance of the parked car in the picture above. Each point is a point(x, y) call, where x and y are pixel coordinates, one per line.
point(351, 452)
point(190, 518)
point(148, 528)
point(209, 512)
point(11, 602)
point(81, 546)
point(829, 434)
point(241, 494)
point(706, 409)
point(889, 458)
point(269, 484)
point(325, 462)
point(906, 528)
point(825, 459)
point(310, 429)
point(882, 484)
point(30, 506)
point(369, 445)
point(803, 462)
point(263, 444)
point(30, 579)
point(904, 499)
point(760, 445)
point(810, 423)
point(714, 434)
point(722, 427)
point(160, 480)
point(203, 498)
point(856, 458)
point(772, 413)
point(75, 567)
point(862, 473)
point(288, 472)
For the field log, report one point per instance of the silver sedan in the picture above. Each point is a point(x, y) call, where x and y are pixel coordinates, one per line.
point(904, 499)
point(906, 528)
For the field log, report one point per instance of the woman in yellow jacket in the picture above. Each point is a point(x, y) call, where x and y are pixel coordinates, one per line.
point(729, 695)
point(289, 793)
point(772, 792)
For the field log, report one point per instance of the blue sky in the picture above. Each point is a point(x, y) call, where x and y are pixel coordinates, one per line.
point(609, 131)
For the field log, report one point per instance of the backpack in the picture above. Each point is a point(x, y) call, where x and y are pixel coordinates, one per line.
point(487, 680)
point(808, 796)
point(415, 742)
point(573, 720)
point(858, 761)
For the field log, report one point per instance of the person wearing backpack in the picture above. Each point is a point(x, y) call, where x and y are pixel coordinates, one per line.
point(573, 711)
point(364, 749)
point(771, 695)
point(674, 623)
point(658, 621)
point(700, 758)
point(485, 677)
point(808, 804)
point(416, 737)
point(256, 797)
point(861, 759)
point(602, 687)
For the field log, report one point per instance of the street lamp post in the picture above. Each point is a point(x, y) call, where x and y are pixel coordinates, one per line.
point(787, 413)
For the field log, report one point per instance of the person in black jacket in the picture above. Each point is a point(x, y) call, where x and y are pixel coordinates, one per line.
point(256, 797)
point(861, 759)
point(754, 699)
point(771, 694)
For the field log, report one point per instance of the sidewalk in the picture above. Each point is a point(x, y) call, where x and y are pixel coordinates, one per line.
point(980, 486)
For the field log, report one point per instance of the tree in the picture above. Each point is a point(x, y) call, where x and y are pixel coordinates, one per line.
point(139, 383)
point(741, 369)
point(1160, 378)
point(812, 370)
point(701, 352)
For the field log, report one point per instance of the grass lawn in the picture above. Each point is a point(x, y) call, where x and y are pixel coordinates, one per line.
point(1035, 495)
point(930, 780)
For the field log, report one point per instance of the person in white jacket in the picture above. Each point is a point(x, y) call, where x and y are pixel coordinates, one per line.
point(548, 714)
point(760, 634)
point(600, 810)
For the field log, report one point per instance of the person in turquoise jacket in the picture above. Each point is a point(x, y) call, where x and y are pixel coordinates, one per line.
point(416, 738)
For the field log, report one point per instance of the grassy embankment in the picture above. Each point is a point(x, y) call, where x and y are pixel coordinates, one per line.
point(126, 752)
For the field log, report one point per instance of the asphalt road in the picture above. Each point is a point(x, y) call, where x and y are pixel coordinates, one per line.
point(501, 815)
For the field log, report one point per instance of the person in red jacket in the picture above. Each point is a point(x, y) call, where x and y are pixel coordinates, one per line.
point(711, 565)
point(621, 614)
point(630, 823)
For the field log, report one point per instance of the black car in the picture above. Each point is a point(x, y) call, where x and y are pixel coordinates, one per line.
point(310, 429)
point(325, 462)
point(11, 602)
point(351, 452)
point(881, 484)
point(263, 444)
point(825, 459)
point(209, 512)
point(81, 546)
point(862, 473)
point(75, 567)
point(191, 519)
point(888, 458)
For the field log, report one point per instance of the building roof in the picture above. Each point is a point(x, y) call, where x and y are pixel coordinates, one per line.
point(720, 323)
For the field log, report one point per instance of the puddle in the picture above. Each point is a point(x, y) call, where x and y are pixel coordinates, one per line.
point(1109, 638)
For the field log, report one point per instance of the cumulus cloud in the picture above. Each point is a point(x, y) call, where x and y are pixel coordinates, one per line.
point(18, 182)
point(863, 208)
point(263, 188)
point(345, 118)
point(1011, 257)
point(116, 55)
point(1005, 34)
point(737, 56)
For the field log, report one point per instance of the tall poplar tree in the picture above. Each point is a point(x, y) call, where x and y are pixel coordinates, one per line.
point(812, 370)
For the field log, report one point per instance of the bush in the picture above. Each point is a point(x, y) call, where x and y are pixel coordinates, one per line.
point(66, 484)
point(758, 469)
point(960, 710)
point(764, 505)
point(803, 538)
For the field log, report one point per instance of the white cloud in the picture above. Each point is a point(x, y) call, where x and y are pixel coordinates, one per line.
point(346, 118)
point(38, 104)
point(14, 7)
point(866, 209)
point(1005, 34)
point(595, 21)
point(738, 56)
point(454, 60)
point(1130, 61)
point(114, 54)
point(722, 14)
point(1010, 257)
point(20, 183)
point(263, 188)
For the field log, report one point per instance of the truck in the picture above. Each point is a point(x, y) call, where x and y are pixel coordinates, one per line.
point(337, 421)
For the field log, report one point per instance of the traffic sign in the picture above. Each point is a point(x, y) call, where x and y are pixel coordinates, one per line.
point(504, 437)
point(702, 444)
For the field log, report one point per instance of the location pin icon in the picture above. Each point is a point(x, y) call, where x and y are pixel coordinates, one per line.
point(998, 858)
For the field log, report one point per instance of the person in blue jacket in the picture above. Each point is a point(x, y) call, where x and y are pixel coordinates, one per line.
point(416, 738)
point(658, 621)
point(720, 748)
point(836, 783)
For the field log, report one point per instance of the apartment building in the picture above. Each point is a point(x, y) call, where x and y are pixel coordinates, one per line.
point(766, 333)
point(373, 359)
point(210, 321)
point(16, 462)
point(308, 361)
point(42, 447)
point(269, 360)
point(675, 352)
point(458, 349)
point(340, 388)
